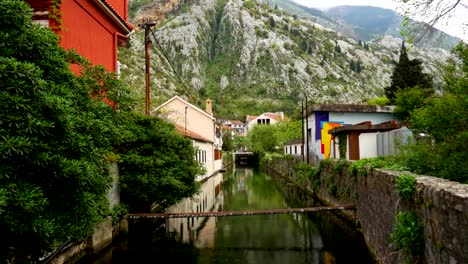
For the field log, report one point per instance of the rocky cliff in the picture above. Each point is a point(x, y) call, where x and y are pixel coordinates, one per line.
point(249, 57)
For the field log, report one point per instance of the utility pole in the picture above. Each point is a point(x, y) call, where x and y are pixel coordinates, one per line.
point(147, 26)
point(302, 121)
point(307, 128)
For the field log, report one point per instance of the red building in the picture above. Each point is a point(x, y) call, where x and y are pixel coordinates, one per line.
point(93, 28)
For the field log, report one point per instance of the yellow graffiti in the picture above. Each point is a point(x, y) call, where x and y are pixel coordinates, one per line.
point(327, 138)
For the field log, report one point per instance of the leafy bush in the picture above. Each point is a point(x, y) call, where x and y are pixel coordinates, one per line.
point(364, 166)
point(249, 4)
point(58, 135)
point(117, 212)
point(440, 126)
point(407, 234)
point(406, 186)
point(407, 101)
point(379, 101)
point(340, 165)
point(155, 157)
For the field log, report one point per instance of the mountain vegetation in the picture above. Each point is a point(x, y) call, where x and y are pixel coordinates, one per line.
point(367, 22)
point(441, 125)
point(250, 57)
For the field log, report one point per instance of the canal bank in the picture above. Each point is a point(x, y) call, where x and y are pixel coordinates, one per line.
point(291, 238)
point(439, 207)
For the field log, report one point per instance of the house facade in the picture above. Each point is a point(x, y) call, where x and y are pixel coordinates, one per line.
point(93, 28)
point(367, 140)
point(200, 126)
point(263, 119)
point(320, 118)
point(294, 147)
point(238, 128)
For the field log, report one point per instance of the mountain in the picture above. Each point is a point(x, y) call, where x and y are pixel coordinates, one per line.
point(372, 22)
point(250, 57)
point(366, 23)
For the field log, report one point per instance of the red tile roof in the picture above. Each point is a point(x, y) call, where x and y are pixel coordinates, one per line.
point(117, 14)
point(191, 134)
point(236, 122)
point(273, 116)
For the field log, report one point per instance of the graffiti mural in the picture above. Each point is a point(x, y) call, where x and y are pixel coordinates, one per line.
point(327, 138)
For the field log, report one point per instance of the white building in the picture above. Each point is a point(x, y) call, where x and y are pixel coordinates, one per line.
point(200, 127)
point(294, 147)
point(319, 119)
point(264, 119)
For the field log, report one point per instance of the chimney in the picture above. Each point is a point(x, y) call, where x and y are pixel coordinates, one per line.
point(208, 107)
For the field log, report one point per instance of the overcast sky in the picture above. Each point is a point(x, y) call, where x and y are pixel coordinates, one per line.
point(453, 26)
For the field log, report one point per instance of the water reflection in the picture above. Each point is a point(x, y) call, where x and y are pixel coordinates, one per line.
point(287, 238)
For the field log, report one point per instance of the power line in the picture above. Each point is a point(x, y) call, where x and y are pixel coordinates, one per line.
point(172, 67)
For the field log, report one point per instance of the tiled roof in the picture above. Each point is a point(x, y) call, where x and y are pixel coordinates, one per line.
point(236, 122)
point(273, 116)
point(250, 118)
point(117, 13)
point(191, 134)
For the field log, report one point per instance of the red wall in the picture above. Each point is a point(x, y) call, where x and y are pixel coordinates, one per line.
point(87, 30)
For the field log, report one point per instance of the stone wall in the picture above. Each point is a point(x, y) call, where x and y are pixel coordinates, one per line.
point(441, 205)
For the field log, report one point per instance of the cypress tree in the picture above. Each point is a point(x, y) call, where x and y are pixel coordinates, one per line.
point(407, 74)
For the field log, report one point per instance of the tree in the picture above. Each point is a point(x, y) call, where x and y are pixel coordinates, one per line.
point(443, 121)
point(337, 48)
point(352, 65)
point(56, 142)
point(366, 46)
point(262, 139)
point(157, 165)
point(272, 22)
point(433, 11)
point(407, 101)
point(271, 138)
point(358, 66)
point(408, 73)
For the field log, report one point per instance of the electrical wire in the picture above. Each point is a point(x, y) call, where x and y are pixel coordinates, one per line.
point(172, 67)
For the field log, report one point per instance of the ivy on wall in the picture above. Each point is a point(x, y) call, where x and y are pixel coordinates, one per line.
point(343, 145)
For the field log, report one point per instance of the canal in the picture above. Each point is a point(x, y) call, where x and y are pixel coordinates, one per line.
point(319, 237)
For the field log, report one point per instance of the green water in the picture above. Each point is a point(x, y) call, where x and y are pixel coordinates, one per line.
point(270, 239)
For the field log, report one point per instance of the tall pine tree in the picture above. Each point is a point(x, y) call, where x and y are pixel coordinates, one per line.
point(408, 74)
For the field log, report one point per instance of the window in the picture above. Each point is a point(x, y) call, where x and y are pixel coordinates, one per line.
point(295, 149)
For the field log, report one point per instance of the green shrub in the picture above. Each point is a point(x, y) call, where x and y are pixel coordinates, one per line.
point(407, 234)
point(340, 165)
point(332, 189)
point(117, 212)
point(379, 101)
point(406, 186)
point(364, 166)
point(249, 4)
